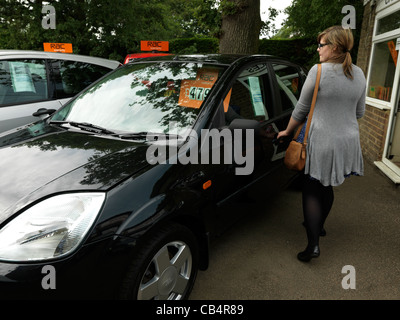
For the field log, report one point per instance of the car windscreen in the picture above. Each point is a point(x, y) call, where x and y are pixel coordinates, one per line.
point(163, 97)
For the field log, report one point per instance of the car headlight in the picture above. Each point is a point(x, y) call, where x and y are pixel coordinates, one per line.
point(50, 229)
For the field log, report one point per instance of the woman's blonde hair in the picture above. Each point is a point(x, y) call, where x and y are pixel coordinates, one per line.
point(343, 40)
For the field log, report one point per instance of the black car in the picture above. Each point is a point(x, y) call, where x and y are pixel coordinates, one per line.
point(118, 193)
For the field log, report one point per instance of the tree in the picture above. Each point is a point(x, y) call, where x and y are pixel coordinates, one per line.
point(105, 28)
point(307, 18)
point(113, 28)
point(197, 18)
point(241, 25)
point(18, 28)
point(268, 27)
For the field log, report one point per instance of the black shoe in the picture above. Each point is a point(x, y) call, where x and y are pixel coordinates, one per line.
point(309, 253)
point(322, 233)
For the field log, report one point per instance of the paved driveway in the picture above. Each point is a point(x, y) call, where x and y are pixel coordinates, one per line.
point(256, 259)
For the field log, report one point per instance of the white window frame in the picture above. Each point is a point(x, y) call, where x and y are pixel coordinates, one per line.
point(377, 103)
point(390, 169)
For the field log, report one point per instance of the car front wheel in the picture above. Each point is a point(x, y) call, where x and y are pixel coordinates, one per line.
point(165, 267)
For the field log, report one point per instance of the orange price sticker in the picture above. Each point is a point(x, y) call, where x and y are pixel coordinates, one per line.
point(193, 92)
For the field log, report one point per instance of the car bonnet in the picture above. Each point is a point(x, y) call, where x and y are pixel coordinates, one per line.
point(64, 162)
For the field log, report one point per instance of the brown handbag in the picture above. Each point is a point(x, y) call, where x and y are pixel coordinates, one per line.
point(295, 157)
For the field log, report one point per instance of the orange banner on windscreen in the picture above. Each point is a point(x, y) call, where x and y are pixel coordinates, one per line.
point(193, 92)
point(58, 47)
point(154, 45)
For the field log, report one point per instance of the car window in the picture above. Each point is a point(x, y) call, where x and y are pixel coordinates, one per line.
point(250, 96)
point(289, 83)
point(75, 76)
point(22, 81)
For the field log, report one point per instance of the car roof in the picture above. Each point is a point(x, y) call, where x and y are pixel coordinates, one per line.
point(142, 55)
point(222, 59)
point(30, 54)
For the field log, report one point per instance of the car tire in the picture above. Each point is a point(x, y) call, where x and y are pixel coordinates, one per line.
point(165, 267)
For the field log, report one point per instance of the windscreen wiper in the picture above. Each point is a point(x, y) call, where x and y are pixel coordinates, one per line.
point(91, 127)
point(146, 135)
point(86, 127)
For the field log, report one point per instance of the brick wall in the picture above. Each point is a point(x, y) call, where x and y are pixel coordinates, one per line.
point(373, 126)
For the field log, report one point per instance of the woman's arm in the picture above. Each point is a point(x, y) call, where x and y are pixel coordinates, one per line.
point(293, 124)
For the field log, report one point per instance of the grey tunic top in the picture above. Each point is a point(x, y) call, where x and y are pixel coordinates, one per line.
point(333, 149)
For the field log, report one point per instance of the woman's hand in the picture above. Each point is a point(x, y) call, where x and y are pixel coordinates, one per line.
point(293, 124)
point(282, 134)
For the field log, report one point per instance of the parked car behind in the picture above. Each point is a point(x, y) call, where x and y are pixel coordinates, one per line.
point(30, 80)
point(135, 56)
point(118, 193)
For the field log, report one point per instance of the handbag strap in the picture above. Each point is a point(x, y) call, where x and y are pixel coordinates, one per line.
point(314, 99)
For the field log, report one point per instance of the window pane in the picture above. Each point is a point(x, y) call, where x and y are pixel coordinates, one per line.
point(383, 68)
point(289, 85)
point(76, 76)
point(22, 81)
point(250, 95)
point(389, 23)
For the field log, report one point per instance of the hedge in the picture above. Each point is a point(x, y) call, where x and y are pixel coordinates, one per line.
point(194, 45)
point(294, 50)
point(291, 49)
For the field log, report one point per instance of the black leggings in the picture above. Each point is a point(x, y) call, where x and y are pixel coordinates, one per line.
point(317, 203)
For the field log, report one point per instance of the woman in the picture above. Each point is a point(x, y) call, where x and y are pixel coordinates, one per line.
point(333, 149)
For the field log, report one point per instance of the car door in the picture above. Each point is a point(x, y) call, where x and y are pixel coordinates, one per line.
point(287, 80)
point(256, 100)
point(262, 97)
point(253, 110)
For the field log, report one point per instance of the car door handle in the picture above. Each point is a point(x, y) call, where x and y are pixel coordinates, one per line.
point(190, 180)
point(195, 177)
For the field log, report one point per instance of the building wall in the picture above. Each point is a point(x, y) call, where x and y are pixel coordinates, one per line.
point(373, 126)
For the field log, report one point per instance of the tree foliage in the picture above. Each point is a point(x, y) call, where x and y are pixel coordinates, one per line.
point(113, 28)
point(106, 28)
point(307, 18)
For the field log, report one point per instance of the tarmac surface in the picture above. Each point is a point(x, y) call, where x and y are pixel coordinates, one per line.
point(256, 258)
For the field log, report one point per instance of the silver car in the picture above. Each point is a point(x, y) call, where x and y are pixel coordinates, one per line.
point(32, 80)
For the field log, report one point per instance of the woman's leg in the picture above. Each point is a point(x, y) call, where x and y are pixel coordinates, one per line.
point(317, 203)
point(312, 210)
point(327, 202)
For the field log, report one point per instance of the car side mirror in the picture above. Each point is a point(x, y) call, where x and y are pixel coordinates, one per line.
point(43, 111)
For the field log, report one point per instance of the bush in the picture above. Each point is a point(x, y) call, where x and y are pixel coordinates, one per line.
point(294, 50)
point(194, 45)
